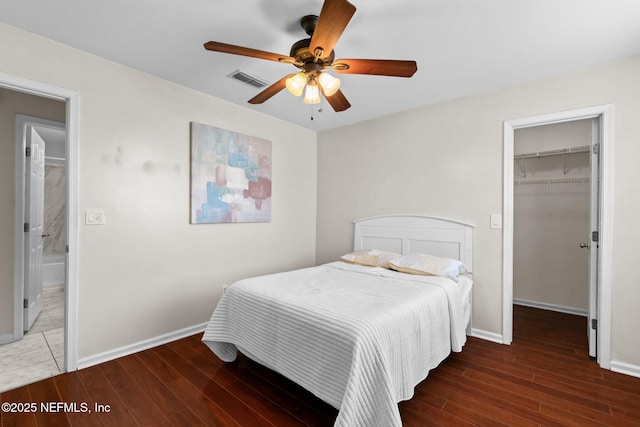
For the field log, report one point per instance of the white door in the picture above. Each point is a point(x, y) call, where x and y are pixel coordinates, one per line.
point(34, 227)
point(593, 239)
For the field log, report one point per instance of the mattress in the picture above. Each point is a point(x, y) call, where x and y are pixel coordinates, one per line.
point(359, 338)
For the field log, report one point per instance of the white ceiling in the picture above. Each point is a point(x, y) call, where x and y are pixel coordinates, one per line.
point(461, 46)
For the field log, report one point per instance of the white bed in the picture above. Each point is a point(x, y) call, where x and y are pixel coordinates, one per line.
point(359, 338)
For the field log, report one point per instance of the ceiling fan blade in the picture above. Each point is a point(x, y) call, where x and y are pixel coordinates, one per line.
point(246, 51)
point(270, 91)
point(337, 101)
point(377, 67)
point(333, 19)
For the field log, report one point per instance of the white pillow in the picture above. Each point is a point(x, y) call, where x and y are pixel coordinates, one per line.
point(370, 257)
point(428, 265)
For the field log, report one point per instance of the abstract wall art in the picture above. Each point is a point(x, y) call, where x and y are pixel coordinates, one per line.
point(230, 176)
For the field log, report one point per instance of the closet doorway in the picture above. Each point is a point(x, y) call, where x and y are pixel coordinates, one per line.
point(557, 219)
point(552, 241)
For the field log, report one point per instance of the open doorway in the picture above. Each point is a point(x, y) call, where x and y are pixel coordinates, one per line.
point(36, 350)
point(600, 275)
point(18, 97)
point(552, 229)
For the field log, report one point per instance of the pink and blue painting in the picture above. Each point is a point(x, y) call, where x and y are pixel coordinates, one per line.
point(230, 176)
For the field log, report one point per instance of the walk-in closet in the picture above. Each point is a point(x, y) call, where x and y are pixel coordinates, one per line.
point(552, 184)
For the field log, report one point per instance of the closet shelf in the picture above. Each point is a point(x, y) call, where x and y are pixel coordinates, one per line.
point(551, 181)
point(572, 150)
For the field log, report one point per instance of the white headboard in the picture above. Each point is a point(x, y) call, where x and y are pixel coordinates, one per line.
point(407, 234)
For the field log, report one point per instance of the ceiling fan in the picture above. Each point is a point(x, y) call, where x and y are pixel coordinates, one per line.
point(313, 55)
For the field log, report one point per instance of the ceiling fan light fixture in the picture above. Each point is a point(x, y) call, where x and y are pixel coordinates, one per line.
point(312, 94)
point(295, 84)
point(314, 54)
point(330, 85)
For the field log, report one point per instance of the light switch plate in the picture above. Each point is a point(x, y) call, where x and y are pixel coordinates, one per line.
point(496, 221)
point(94, 217)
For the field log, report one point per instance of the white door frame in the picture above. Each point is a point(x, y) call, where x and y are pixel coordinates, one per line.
point(71, 99)
point(604, 113)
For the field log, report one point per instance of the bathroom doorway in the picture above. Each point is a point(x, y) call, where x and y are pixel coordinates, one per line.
point(20, 96)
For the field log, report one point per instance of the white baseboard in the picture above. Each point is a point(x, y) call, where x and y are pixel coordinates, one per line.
point(552, 307)
point(625, 368)
point(140, 346)
point(487, 336)
point(53, 273)
point(6, 338)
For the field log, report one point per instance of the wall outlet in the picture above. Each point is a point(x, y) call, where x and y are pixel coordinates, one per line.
point(94, 217)
point(496, 221)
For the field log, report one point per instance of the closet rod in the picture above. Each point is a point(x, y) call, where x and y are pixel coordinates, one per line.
point(582, 149)
point(552, 181)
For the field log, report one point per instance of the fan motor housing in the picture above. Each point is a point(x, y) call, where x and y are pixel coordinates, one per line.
point(300, 49)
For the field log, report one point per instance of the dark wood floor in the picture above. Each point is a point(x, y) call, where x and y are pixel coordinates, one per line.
point(544, 378)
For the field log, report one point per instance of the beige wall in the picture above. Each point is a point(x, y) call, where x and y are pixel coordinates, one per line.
point(147, 272)
point(446, 160)
point(552, 137)
point(12, 103)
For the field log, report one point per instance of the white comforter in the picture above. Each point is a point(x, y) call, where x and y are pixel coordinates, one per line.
point(359, 338)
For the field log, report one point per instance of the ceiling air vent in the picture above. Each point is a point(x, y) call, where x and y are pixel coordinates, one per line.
point(246, 78)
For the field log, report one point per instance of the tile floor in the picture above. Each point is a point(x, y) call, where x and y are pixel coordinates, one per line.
point(40, 354)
